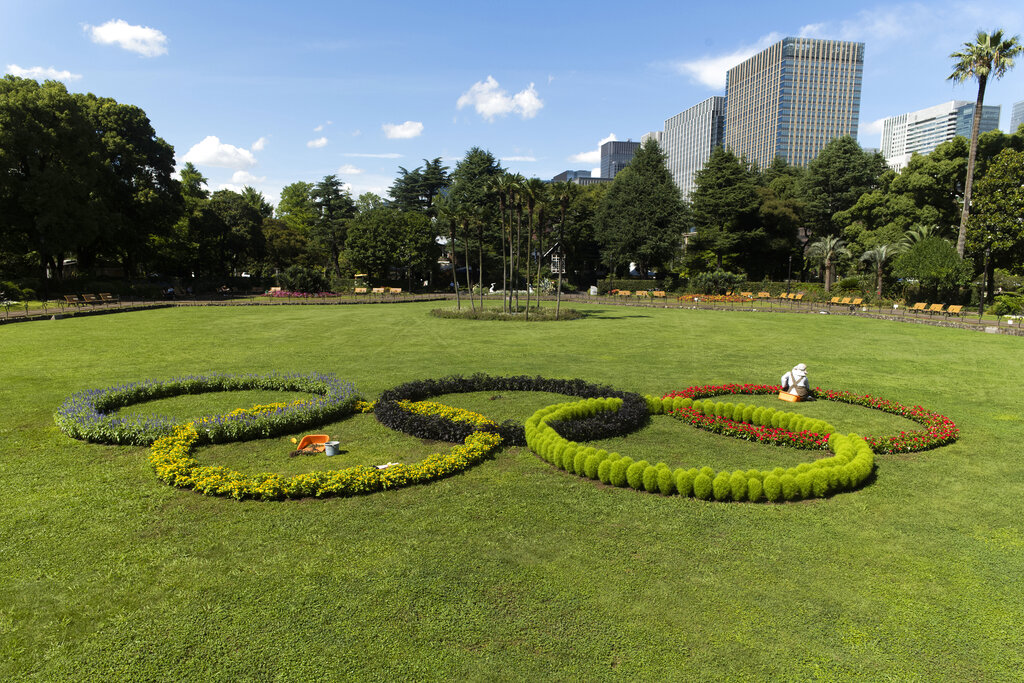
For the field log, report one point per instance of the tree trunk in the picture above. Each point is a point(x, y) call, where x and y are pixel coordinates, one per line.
point(480, 260)
point(469, 283)
point(961, 240)
point(455, 265)
point(878, 288)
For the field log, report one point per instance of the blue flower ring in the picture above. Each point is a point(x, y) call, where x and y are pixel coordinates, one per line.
point(88, 415)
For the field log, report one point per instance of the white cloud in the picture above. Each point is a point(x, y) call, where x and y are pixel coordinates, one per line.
point(317, 144)
point(144, 40)
point(356, 133)
point(400, 131)
point(386, 155)
point(710, 71)
point(596, 172)
point(259, 145)
point(489, 100)
point(246, 178)
point(212, 152)
point(870, 129)
point(40, 73)
point(518, 159)
point(318, 128)
point(594, 156)
point(349, 169)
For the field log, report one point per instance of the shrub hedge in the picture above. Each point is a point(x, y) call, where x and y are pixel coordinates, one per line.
point(847, 469)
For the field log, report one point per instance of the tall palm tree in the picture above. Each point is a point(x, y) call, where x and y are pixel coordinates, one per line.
point(446, 213)
point(533, 192)
point(991, 55)
point(563, 193)
point(878, 257)
point(501, 184)
point(827, 251)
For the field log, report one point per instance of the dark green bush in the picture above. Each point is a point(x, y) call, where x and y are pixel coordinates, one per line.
point(299, 278)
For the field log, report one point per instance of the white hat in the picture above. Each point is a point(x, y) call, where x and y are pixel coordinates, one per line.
point(800, 370)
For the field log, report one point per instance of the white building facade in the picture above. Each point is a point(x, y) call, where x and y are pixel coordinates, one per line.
point(920, 132)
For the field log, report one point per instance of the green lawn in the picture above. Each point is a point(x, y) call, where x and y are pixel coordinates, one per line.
point(512, 570)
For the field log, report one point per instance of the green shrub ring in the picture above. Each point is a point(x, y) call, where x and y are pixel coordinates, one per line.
point(848, 469)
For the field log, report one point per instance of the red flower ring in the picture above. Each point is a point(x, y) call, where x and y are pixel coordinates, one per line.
point(939, 429)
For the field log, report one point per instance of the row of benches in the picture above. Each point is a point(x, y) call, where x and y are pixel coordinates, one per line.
point(379, 290)
point(92, 299)
point(938, 308)
point(640, 293)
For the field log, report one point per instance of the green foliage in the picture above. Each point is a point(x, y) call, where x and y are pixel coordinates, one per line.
point(299, 278)
point(790, 490)
point(738, 485)
point(604, 470)
point(702, 486)
point(618, 471)
point(721, 486)
point(773, 488)
point(666, 481)
point(755, 490)
point(715, 282)
point(684, 481)
point(933, 262)
point(642, 216)
point(635, 474)
point(649, 479)
point(724, 204)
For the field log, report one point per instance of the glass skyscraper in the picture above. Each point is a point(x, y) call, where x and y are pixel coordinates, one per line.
point(616, 155)
point(921, 131)
point(1016, 116)
point(792, 98)
point(690, 137)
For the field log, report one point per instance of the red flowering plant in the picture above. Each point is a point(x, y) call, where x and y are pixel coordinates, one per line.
point(938, 430)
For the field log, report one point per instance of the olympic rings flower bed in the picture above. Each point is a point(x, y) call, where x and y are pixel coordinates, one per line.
point(939, 429)
point(441, 428)
point(848, 469)
point(86, 415)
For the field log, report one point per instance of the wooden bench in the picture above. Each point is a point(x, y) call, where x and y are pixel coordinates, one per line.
point(360, 290)
point(918, 307)
point(936, 308)
point(798, 297)
point(857, 302)
point(764, 295)
point(73, 299)
point(834, 300)
point(108, 298)
point(624, 292)
point(658, 293)
point(379, 290)
point(274, 290)
point(396, 290)
point(955, 310)
point(92, 299)
point(749, 295)
point(845, 301)
point(642, 292)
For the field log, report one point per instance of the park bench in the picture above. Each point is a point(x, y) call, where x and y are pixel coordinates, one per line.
point(857, 302)
point(955, 310)
point(73, 299)
point(378, 290)
point(749, 295)
point(360, 290)
point(845, 301)
point(658, 293)
point(641, 292)
point(396, 290)
point(834, 300)
point(918, 307)
point(936, 308)
point(274, 290)
point(92, 299)
point(764, 295)
point(799, 297)
point(624, 292)
point(108, 298)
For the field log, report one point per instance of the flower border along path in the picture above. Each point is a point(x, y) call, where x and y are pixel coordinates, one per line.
point(724, 418)
point(848, 469)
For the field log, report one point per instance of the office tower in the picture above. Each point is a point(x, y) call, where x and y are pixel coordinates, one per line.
point(690, 137)
point(566, 176)
point(1016, 116)
point(923, 130)
point(792, 98)
point(655, 135)
point(616, 155)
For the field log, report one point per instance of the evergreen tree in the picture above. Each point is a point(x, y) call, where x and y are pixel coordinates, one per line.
point(724, 206)
point(641, 217)
point(835, 180)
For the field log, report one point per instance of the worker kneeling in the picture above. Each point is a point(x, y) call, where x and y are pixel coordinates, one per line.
point(795, 385)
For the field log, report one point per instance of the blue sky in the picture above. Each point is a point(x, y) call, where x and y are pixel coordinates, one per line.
point(268, 93)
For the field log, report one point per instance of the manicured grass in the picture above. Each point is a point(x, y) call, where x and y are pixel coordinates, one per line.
point(512, 570)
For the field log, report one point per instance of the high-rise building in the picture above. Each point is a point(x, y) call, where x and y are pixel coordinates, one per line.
point(616, 155)
point(922, 131)
point(690, 137)
point(792, 98)
point(566, 176)
point(1016, 116)
point(655, 135)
